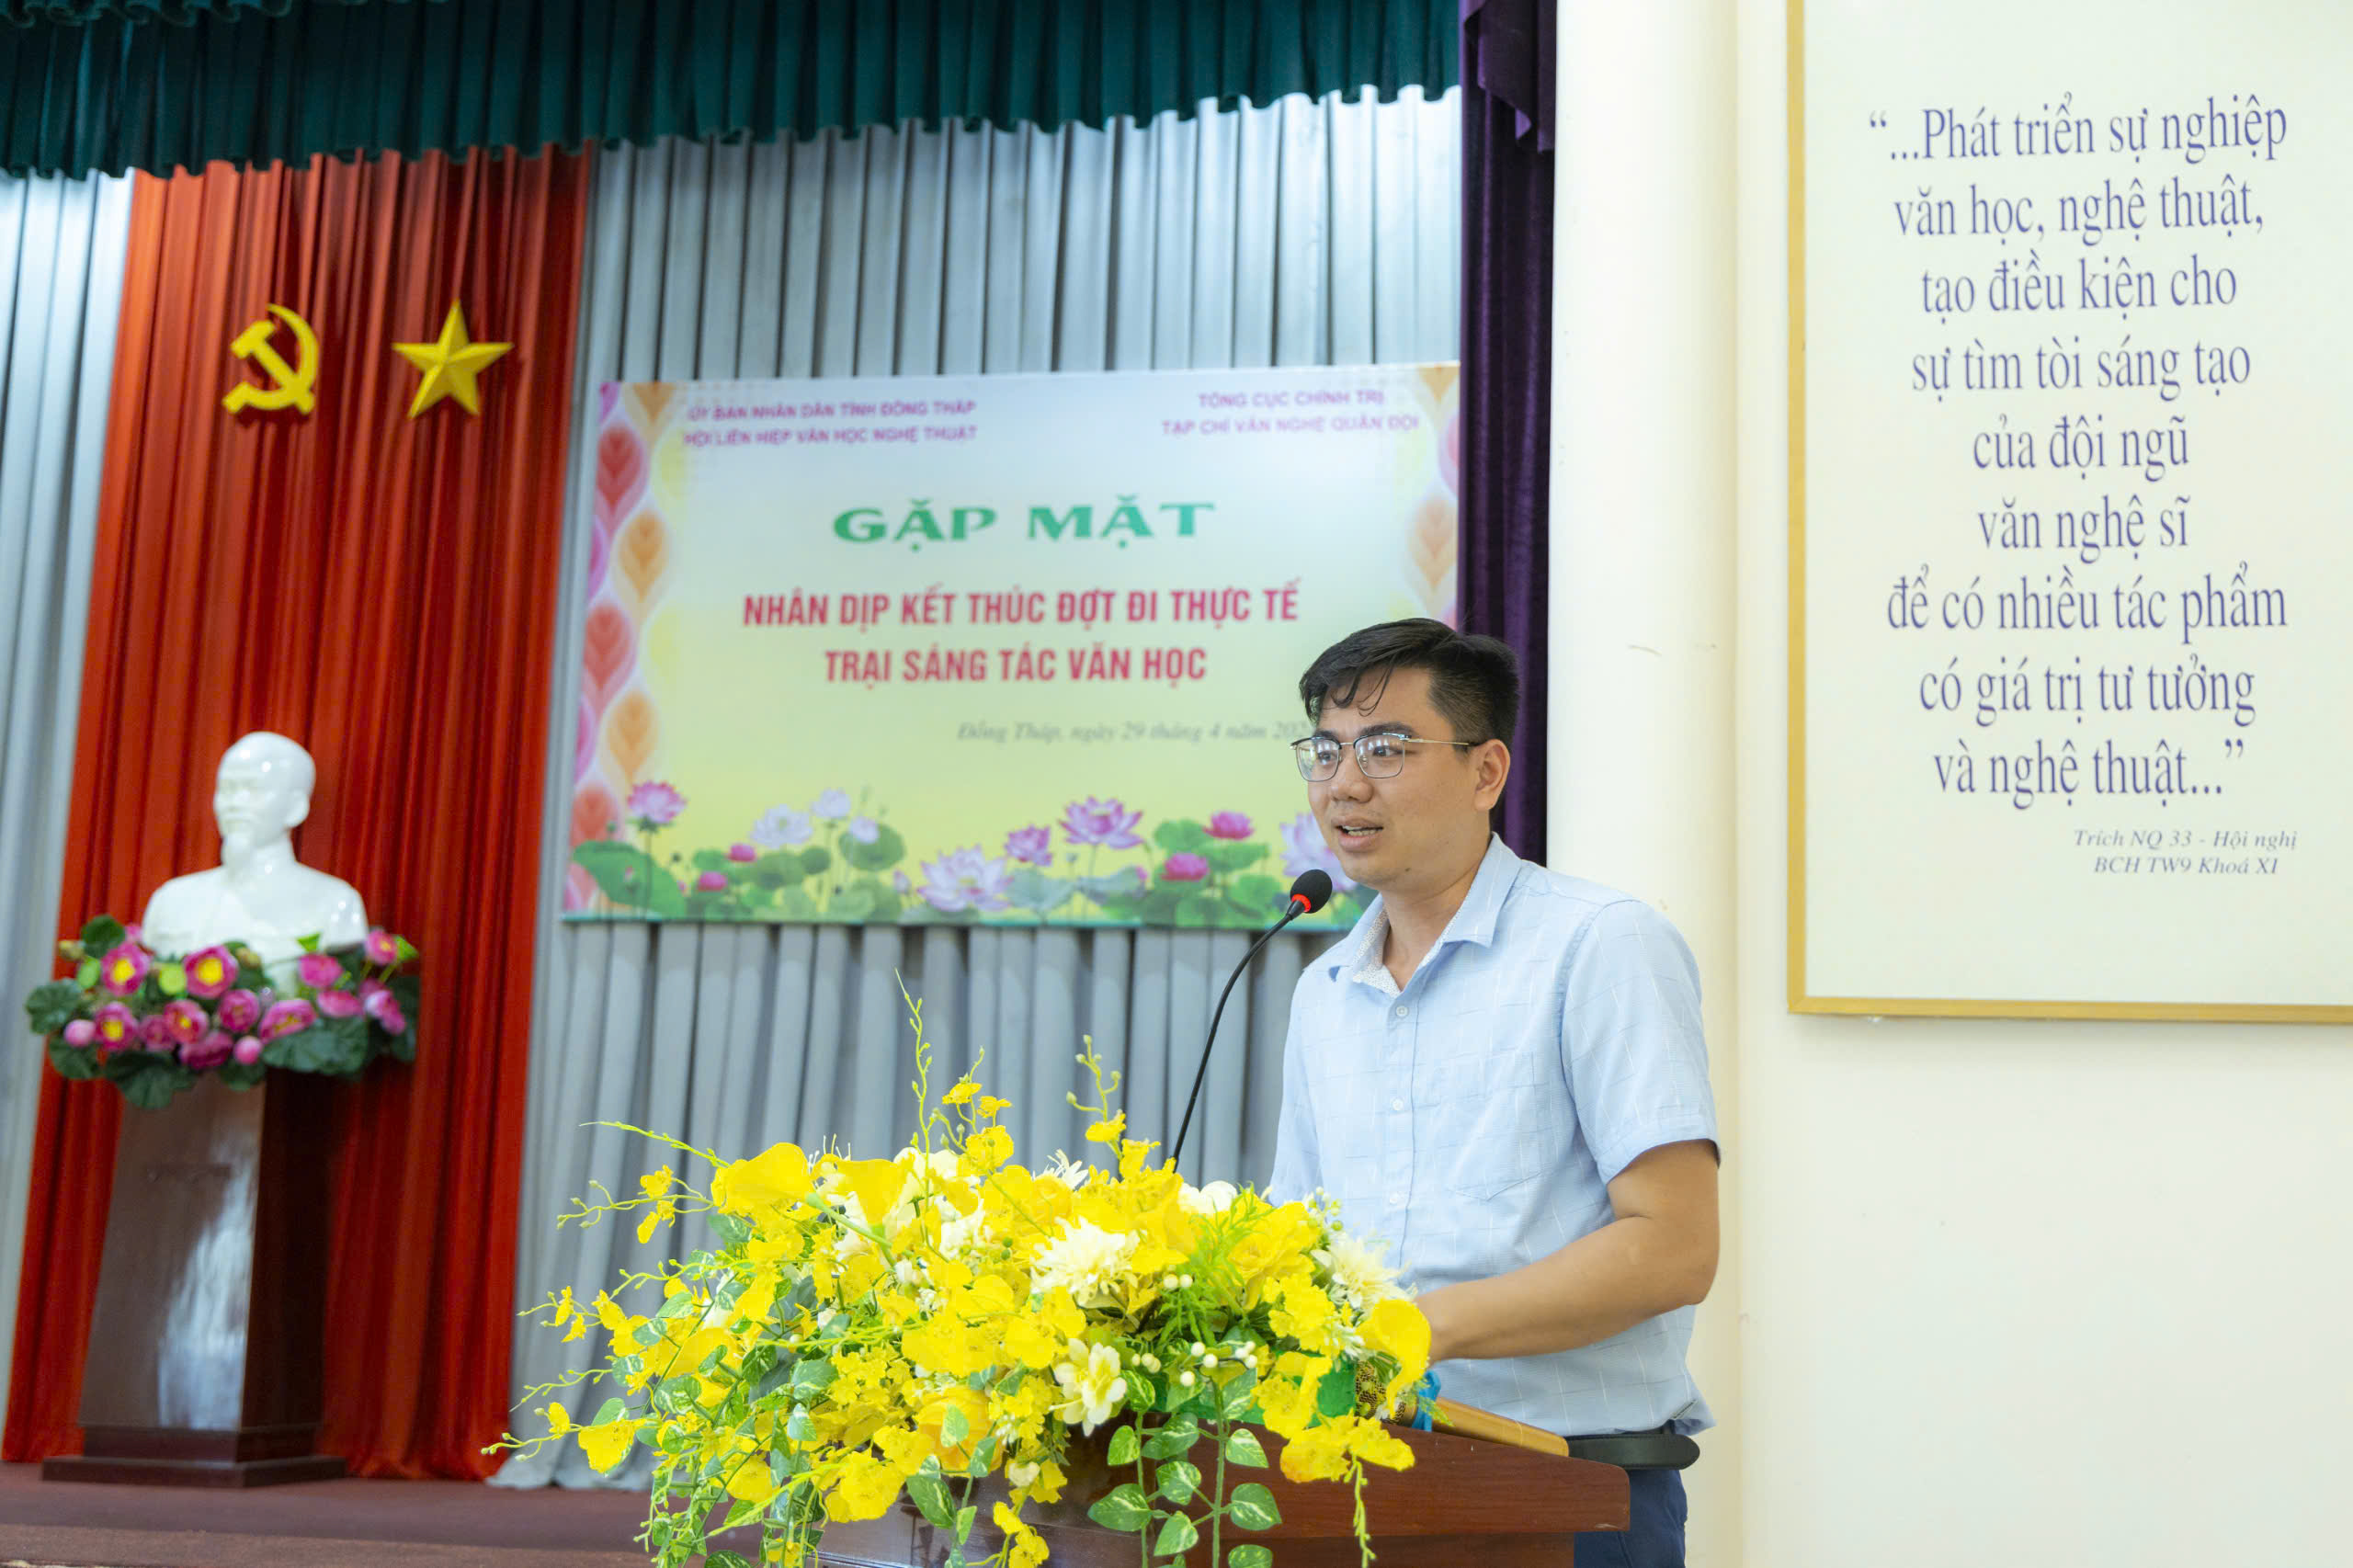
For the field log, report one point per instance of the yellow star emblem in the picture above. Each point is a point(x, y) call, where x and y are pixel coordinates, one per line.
point(450, 365)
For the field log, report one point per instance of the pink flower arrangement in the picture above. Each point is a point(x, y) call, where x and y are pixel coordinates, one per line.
point(287, 1018)
point(1183, 868)
point(184, 1021)
point(1106, 824)
point(209, 973)
point(117, 1029)
point(208, 1053)
point(238, 1011)
point(124, 971)
point(1229, 824)
point(655, 804)
point(337, 1003)
point(149, 1022)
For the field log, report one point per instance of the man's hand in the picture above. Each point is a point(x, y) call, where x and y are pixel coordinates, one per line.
point(1658, 1254)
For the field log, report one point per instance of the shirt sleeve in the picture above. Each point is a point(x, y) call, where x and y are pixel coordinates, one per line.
point(1630, 1040)
point(1298, 1169)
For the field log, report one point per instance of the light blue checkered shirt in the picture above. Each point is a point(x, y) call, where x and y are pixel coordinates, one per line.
point(1475, 1119)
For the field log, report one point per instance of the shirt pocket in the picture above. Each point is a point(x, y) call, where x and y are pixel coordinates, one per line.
point(1514, 1122)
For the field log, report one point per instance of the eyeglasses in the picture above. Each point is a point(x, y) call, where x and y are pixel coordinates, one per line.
point(1379, 754)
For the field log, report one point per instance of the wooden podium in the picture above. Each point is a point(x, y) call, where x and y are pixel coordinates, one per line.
point(204, 1363)
point(1464, 1501)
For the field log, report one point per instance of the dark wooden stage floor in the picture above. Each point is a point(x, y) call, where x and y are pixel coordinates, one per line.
point(325, 1524)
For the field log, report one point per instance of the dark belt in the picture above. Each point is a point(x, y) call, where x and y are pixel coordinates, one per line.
point(1660, 1448)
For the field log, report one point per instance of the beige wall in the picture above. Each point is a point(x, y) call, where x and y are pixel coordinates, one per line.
point(2019, 1293)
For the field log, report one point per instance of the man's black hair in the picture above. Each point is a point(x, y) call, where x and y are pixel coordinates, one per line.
point(1474, 681)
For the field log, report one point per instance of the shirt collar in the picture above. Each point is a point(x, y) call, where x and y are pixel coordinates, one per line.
point(1474, 921)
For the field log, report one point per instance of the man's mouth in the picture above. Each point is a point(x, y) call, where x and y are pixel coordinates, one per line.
point(1355, 834)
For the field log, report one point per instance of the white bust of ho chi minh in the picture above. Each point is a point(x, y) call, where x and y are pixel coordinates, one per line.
point(259, 893)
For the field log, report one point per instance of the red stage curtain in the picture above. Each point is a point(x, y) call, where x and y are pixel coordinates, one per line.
point(382, 589)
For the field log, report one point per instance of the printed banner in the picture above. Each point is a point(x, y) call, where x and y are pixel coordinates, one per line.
point(1019, 649)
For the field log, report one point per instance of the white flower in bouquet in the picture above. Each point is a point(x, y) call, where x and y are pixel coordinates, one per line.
point(1211, 1199)
point(1068, 1172)
point(1359, 1277)
point(1085, 1260)
point(1093, 1388)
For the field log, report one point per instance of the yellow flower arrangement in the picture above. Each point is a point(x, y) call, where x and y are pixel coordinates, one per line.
point(872, 1327)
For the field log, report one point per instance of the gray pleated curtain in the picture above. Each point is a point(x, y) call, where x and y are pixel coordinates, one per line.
point(61, 248)
point(1305, 232)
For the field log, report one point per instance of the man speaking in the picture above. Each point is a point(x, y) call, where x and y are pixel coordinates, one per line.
point(1500, 1071)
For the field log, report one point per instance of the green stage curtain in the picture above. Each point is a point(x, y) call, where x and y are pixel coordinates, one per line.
point(159, 84)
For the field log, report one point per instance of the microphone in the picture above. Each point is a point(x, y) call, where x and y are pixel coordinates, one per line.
point(1309, 892)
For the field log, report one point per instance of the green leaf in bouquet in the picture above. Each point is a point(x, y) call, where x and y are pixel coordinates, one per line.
point(309, 944)
point(815, 860)
point(1336, 1394)
point(630, 876)
point(742, 1513)
point(86, 973)
point(241, 1074)
point(1182, 836)
point(171, 979)
point(72, 1060)
point(1179, 1481)
point(1174, 1438)
point(1243, 1448)
point(611, 1410)
point(798, 1427)
point(887, 851)
point(1124, 1448)
point(954, 1427)
point(102, 936)
point(930, 1495)
point(51, 1006)
point(811, 1378)
point(1238, 1395)
point(1251, 1556)
point(1121, 1508)
point(1253, 1508)
point(148, 1079)
point(725, 1560)
point(964, 1518)
point(1177, 1535)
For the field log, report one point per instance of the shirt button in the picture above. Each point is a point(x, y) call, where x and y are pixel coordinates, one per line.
point(1401, 1009)
point(1396, 1200)
point(1396, 1104)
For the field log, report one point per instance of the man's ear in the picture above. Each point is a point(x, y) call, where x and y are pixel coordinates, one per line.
point(1493, 759)
point(302, 814)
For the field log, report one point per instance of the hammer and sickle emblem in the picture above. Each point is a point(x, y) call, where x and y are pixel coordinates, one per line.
point(291, 387)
